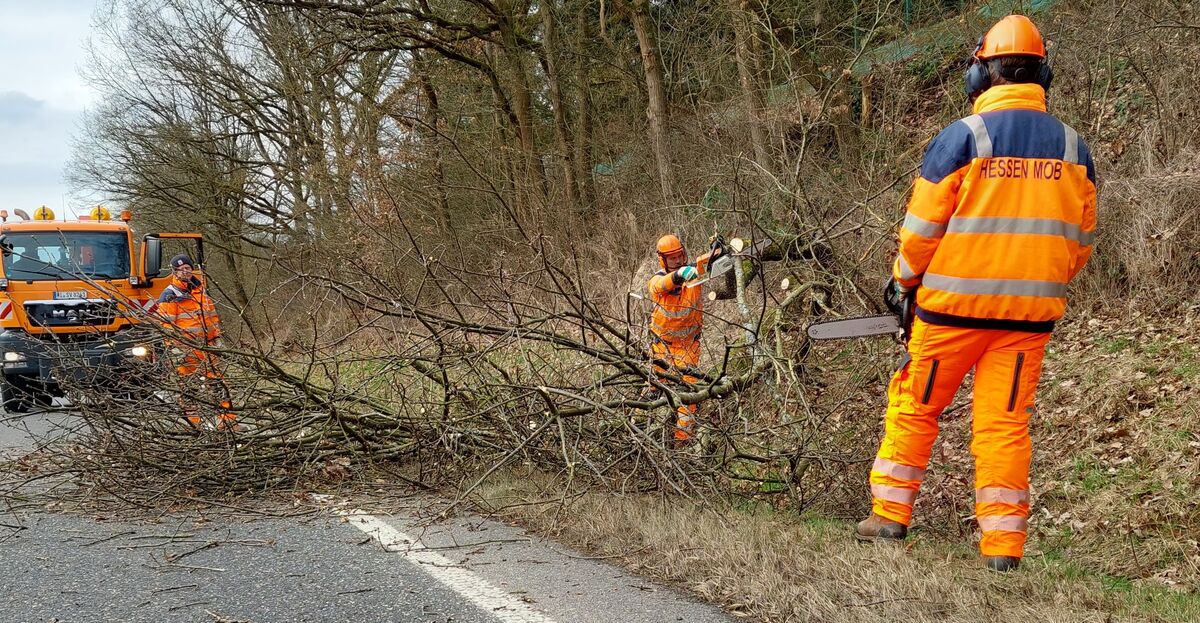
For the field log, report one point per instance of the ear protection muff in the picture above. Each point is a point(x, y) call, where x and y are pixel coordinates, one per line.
point(977, 77)
point(1045, 75)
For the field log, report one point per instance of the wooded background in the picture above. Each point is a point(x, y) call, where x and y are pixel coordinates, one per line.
point(427, 217)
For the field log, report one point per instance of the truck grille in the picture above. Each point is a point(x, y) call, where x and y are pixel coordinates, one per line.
point(86, 313)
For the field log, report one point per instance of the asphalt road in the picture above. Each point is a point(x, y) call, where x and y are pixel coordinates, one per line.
point(21, 433)
point(339, 565)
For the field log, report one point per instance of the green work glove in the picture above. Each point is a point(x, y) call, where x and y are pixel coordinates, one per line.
point(685, 274)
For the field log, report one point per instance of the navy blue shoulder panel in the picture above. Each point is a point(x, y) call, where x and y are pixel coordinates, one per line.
point(1014, 133)
point(170, 294)
point(1085, 158)
point(1021, 133)
point(949, 151)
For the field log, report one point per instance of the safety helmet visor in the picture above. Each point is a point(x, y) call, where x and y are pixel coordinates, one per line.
point(673, 259)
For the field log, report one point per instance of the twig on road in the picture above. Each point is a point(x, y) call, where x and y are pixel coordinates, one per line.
point(174, 588)
point(181, 607)
point(108, 538)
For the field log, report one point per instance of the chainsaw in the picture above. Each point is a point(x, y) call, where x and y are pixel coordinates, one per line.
point(898, 322)
point(723, 265)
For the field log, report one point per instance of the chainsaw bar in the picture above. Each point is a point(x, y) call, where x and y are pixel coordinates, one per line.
point(854, 327)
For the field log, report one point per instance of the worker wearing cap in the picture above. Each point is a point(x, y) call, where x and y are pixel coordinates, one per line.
point(187, 311)
point(1002, 217)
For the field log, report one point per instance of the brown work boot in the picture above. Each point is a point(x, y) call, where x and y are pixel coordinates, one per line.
point(876, 528)
point(1002, 563)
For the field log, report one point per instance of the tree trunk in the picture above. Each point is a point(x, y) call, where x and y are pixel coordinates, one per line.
point(747, 63)
point(656, 109)
point(533, 181)
point(583, 132)
point(562, 133)
point(433, 124)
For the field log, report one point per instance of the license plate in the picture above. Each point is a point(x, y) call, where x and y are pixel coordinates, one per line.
point(70, 296)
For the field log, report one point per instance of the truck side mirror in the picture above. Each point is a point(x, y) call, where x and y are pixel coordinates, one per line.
point(153, 261)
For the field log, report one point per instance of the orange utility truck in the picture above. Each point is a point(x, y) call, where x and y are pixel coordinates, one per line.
point(74, 299)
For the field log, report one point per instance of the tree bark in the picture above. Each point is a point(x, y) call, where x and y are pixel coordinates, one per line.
point(533, 181)
point(748, 72)
point(562, 134)
point(583, 132)
point(656, 109)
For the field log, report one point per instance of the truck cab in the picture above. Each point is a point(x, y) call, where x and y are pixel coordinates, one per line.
point(74, 302)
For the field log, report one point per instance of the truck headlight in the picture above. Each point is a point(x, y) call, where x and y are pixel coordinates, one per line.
point(12, 357)
point(139, 351)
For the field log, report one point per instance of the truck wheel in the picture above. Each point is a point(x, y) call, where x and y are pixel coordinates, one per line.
point(14, 399)
point(42, 397)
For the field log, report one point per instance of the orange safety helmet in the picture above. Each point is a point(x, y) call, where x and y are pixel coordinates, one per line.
point(670, 248)
point(1014, 35)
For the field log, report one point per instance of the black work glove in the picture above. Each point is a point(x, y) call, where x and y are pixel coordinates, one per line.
point(902, 303)
point(896, 297)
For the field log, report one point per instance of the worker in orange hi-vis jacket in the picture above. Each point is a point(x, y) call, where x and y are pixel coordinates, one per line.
point(678, 319)
point(187, 311)
point(1002, 217)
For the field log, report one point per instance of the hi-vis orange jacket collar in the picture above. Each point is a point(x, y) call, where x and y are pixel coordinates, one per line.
point(1006, 96)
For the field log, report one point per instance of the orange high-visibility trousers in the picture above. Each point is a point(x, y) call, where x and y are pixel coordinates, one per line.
point(681, 356)
point(1007, 366)
point(193, 364)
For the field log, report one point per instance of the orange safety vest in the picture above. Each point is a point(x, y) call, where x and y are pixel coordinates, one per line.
point(186, 308)
point(1002, 217)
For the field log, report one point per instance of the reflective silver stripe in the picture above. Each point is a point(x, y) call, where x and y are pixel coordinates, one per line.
point(1071, 149)
point(682, 334)
point(920, 226)
point(677, 327)
point(896, 470)
point(983, 142)
point(1018, 225)
point(1002, 495)
point(677, 314)
point(894, 494)
point(1005, 523)
point(1008, 287)
point(906, 271)
point(677, 336)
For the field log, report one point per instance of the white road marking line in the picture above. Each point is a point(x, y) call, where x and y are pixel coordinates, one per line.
point(475, 589)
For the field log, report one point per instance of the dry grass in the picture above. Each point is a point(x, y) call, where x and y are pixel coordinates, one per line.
point(1112, 537)
point(774, 567)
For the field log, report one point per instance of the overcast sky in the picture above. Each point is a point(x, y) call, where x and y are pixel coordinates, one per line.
point(42, 97)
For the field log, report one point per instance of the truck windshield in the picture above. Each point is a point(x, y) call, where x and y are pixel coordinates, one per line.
point(56, 255)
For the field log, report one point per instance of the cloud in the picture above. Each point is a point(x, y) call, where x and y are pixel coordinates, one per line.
point(41, 48)
point(30, 185)
point(32, 131)
point(17, 107)
point(42, 45)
